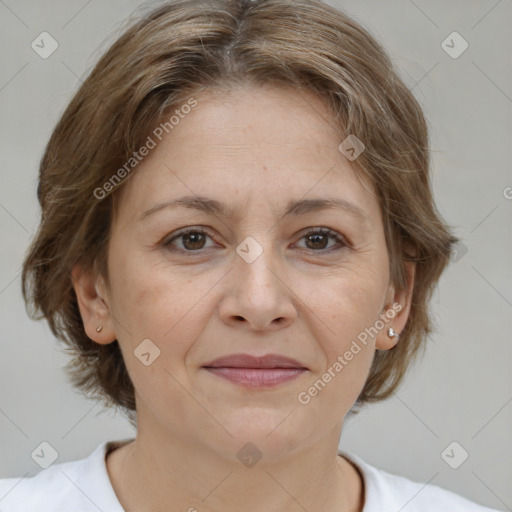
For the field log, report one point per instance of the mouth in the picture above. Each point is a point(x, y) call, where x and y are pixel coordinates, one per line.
point(256, 372)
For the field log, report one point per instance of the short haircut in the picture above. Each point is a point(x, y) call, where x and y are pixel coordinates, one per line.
point(158, 63)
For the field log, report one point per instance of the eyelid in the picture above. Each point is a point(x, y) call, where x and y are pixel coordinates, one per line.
point(340, 239)
point(324, 230)
point(180, 232)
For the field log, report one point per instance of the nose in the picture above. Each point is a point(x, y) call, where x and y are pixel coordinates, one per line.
point(257, 295)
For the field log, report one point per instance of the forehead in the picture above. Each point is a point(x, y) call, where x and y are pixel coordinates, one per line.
point(250, 145)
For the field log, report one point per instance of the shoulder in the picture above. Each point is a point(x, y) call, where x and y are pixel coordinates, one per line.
point(81, 486)
point(386, 492)
point(52, 486)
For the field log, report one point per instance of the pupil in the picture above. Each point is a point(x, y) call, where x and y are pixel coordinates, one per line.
point(196, 244)
point(316, 237)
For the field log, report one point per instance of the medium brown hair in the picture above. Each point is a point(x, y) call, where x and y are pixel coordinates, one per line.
point(184, 47)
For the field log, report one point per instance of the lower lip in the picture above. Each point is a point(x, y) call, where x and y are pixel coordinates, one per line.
point(258, 377)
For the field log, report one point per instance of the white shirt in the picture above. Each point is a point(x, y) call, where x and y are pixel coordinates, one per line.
point(84, 486)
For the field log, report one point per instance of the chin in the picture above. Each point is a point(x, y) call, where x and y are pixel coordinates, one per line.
point(264, 431)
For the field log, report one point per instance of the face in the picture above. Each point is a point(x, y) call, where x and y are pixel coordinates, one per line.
point(247, 278)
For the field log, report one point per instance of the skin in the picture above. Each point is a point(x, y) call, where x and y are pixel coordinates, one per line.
point(255, 149)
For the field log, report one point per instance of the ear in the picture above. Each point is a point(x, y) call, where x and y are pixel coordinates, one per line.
point(94, 305)
point(399, 319)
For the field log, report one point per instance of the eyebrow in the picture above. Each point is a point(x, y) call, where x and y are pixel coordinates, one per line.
point(294, 208)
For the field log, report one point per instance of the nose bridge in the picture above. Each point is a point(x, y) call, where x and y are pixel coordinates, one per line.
point(257, 260)
point(256, 250)
point(256, 292)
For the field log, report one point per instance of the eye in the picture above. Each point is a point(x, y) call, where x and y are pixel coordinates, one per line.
point(317, 239)
point(194, 239)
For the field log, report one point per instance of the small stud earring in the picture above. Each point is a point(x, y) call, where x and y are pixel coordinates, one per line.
point(392, 333)
point(98, 329)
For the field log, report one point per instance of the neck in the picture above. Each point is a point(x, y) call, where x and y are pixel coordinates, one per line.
point(150, 474)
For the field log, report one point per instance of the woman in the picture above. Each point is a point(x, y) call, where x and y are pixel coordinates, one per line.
point(238, 243)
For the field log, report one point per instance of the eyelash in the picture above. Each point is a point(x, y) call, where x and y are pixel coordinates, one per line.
point(319, 231)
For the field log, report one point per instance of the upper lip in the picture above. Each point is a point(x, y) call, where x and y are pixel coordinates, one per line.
point(248, 361)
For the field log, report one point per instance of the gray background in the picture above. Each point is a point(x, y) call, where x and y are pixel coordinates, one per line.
point(462, 389)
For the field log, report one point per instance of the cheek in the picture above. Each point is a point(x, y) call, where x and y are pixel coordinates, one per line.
point(348, 302)
point(348, 306)
point(152, 302)
point(348, 355)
